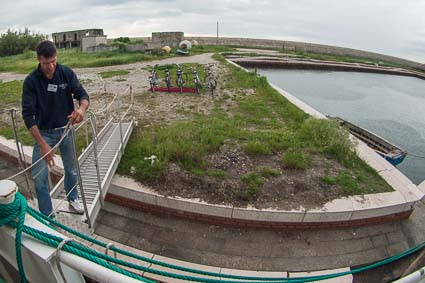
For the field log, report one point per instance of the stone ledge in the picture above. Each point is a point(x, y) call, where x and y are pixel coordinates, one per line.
point(257, 223)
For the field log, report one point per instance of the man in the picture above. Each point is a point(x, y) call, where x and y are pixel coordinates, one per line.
point(47, 106)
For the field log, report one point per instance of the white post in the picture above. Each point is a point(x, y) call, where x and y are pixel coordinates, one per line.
point(8, 189)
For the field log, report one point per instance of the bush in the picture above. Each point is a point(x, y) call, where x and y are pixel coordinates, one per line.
point(122, 39)
point(17, 42)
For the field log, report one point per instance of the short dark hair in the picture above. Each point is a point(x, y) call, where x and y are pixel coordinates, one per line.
point(46, 48)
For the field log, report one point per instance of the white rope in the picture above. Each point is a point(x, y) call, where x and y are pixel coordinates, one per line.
point(65, 133)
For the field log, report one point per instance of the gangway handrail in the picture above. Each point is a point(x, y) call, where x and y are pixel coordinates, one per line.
point(90, 117)
point(21, 154)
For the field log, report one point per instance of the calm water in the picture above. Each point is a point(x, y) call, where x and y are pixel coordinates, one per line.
point(390, 106)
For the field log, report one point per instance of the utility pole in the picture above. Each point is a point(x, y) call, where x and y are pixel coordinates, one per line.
point(216, 43)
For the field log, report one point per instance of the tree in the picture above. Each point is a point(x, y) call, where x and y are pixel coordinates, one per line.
point(15, 42)
point(122, 39)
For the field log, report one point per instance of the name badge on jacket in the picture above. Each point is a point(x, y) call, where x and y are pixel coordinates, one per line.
point(52, 88)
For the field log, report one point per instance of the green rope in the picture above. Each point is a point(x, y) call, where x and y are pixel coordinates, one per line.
point(41, 217)
point(8, 214)
point(37, 215)
point(18, 208)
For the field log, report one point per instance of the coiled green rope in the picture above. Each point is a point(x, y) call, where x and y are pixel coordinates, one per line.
point(17, 210)
point(8, 214)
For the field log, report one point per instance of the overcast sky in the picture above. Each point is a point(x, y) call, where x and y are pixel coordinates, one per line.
point(392, 27)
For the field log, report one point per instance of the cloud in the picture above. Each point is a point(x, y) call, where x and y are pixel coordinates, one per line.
point(387, 26)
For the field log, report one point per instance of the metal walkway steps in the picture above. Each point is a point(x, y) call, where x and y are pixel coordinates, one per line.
point(111, 142)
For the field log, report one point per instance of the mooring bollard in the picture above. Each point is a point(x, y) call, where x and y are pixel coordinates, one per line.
point(8, 189)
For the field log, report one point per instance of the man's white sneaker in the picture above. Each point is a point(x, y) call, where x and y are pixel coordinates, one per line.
point(76, 206)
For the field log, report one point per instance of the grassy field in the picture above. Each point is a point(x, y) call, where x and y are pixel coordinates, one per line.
point(262, 123)
point(10, 94)
point(279, 127)
point(24, 63)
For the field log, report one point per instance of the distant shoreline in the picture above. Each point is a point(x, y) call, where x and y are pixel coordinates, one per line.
point(273, 62)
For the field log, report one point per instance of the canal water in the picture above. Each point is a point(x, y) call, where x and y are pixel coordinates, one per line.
point(390, 106)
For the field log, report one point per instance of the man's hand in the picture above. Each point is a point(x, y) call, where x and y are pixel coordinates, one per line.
point(76, 116)
point(44, 146)
point(44, 149)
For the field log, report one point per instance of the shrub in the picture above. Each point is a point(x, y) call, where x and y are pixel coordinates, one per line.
point(17, 42)
point(122, 39)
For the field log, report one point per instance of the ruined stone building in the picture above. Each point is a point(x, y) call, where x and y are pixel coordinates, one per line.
point(74, 38)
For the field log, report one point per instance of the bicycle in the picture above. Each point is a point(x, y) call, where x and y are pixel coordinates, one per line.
point(167, 79)
point(211, 83)
point(179, 81)
point(153, 79)
point(196, 80)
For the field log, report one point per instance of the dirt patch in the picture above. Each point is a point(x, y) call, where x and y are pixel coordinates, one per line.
point(288, 189)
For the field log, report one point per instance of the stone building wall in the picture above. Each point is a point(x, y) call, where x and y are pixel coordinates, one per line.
point(172, 39)
point(70, 39)
point(92, 41)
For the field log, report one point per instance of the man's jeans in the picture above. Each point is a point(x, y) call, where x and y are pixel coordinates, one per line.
point(40, 171)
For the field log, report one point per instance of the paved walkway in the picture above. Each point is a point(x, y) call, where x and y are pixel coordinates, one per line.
point(285, 250)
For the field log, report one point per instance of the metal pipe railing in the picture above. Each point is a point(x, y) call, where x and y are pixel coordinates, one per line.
point(94, 138)
point(80, 181)
point(20, 149)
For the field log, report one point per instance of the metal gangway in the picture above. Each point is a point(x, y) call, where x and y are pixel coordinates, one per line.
point(98, 162)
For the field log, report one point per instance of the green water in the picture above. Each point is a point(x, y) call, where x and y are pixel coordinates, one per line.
point(390, 106)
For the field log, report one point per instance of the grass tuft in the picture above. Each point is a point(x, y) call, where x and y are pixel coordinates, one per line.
point(296, 159)
point(253, 184)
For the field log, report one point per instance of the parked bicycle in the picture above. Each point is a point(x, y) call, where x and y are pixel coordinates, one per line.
point(211, 82)
point(196, 80)
point(153, 79)
point(167, 79)
point(179, 81)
